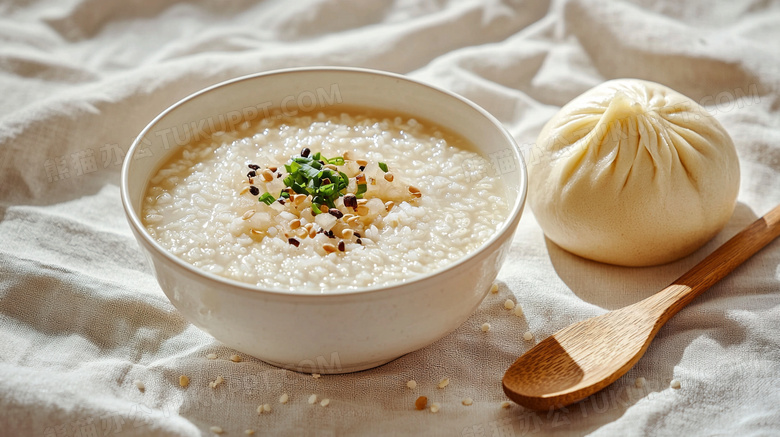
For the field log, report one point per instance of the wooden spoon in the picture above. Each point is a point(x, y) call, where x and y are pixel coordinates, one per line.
point(588, 356)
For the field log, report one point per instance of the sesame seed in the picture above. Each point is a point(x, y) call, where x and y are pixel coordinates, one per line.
point(342, 246)
point(312, 399)
point(211, 356)
point(248, 215)
point(494, 288)
point(505, 404)
point(389, 205)
point(675, 384)
point(268, 175)
point(640, 382)
point(362, 162)
point(519, 311)
point(249, 432)
point(251, 174)
point(284, 398)
point(444, 382)
point(235, 358)
point(295, 224)
point(509, 304)
point(347, 233)
point(420, 403)
point(305, 152)
point(362, 210)
point(528, 336)
point(216, 430)
point(244, 191)
point(350, 200)
point(254, 190)
point(216, 382)
point(435, 407)
point(389, 177)
point(294, 242)
point(266, 408)
point(329, 248)
point(253, 232)
point(184, 380)
point(485, 327)
point(325, 402)
point(467, 402)
point(336, 213)
point(412, 384)
point(415, 191)
point(316, 375)
point(253, 166)
point(139, 384)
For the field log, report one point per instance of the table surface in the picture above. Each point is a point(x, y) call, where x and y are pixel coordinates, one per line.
point(81, 316)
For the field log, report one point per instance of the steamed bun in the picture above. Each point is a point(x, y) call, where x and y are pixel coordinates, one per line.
point(632, 173)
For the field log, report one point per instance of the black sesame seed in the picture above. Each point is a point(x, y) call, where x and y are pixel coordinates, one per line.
point(342, 246)
point(350, 200)
point(254, 190)
point(336, 213)
point(272, 168)
point(359, 241)
point(251, 174)
point(330, 234)
point(362, 167)
point(278, 175)
point(305, 152)
point(280, 200)
point(294, 242)
point(253, 166)
point(357, 234)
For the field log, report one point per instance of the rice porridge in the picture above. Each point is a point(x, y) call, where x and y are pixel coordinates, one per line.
point(327, 201)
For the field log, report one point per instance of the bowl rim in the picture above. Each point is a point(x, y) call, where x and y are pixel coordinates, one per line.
point(135, 221)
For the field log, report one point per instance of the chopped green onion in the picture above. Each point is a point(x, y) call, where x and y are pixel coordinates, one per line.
point(361, 188)
point(383, 166)
point(336, 161)
point(267, 198)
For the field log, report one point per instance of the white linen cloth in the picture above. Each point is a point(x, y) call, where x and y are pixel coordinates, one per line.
point(81, 316)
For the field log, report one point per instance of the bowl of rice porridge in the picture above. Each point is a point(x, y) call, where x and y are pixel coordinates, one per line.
point(324, 219)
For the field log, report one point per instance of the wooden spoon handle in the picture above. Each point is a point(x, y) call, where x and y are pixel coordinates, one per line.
point(718, 264)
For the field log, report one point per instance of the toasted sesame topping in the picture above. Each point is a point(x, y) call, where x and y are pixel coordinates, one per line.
point(249, 432)
point(389, 205)
point(325, 402)
point(244, 190)
point(266, 408)
point(528, 336)
point(316, 375)
point(235, 358)
point(415, 191)
point(435, 407)
point(494, 288)
point(216, 430)
point(519, 311)
point(347, 233)
point(420, 403)
point(284, 398)
point(509, 304)
point(253, 166)
point(248, 214)
point(360, 179)
point(412, 384)
point(267, 175)
point(254, 232)
point(312, 232)
point(335, 213)
point(467, 402)
point(211, 356)
point(444, 382)
point(305, 152)
point(329, 248)
point(251, 174)
point(505, 404)
point(389, 177)
point(254, 190)
point(342, 247)
point(640, 382)
point(362, 210)
point(216, 382)
point(184, 380)
point(139, 384)
point(294, 242)
point(350, 200)
point(361, 162)
point(313, 399)
point(485, 327)
point(295, 224)
point(675, 384)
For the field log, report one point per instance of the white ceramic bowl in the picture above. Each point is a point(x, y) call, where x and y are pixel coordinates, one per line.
point(339, 331)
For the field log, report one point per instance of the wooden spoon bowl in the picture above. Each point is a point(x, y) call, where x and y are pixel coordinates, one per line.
point(587, 356)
